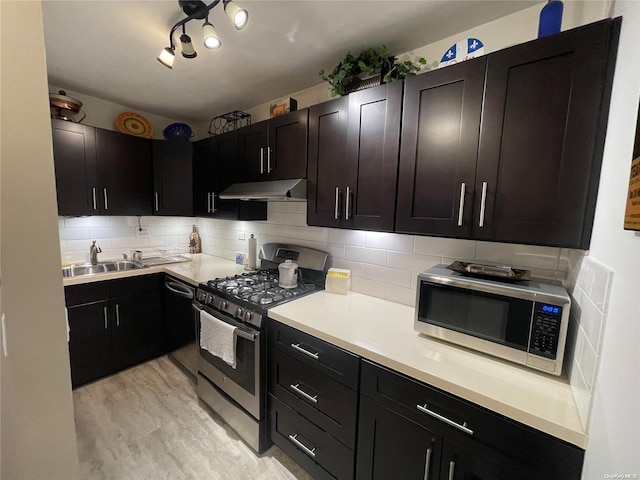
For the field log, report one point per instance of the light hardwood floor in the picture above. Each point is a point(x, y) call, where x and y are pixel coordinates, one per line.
point(147, 423)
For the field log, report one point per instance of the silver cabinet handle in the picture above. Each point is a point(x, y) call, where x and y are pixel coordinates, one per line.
point(261, 160)
point(346, 204)
point(337, 208)
point(306, 352)
point(483, 204)
point(296, 388)
point(156, 200)
point(117, 315)
point(462, 427)
point(106, 203)
point(95, 202)
point(463, 189)
point(213, 202)
point(268, 159)
point(106, 316)
point(208, 202)
point(427, 464)
point(309, 451)
point(452, 469)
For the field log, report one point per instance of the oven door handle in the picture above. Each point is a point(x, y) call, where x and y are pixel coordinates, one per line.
point(240, 331)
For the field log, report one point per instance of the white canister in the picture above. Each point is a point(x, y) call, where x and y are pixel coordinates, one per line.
point(288, 274)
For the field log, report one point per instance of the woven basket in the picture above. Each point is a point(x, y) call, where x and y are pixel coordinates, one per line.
point(360, 82)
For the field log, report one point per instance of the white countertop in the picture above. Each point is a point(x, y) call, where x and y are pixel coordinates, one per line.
point(201, 268)
point(382, 331)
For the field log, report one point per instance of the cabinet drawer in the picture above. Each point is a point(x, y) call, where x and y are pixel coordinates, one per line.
point(125, 287)
point(468, 424)
point(86, 293)
point(319, 453)
point(327, 403)
point(324, 357)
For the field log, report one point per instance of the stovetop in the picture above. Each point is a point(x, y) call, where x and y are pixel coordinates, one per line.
point(259, 288)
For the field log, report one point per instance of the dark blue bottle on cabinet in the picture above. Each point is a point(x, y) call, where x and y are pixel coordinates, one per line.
point(550, 18)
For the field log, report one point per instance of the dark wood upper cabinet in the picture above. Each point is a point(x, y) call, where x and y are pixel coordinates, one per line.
point(371, 157)
point(326, 166)
point(74, 152)
point(215, 167)
point(353, 159)
point(172, 178)
point(440, 129)
point(275, 149)
point(543, 128)
point(124, 174)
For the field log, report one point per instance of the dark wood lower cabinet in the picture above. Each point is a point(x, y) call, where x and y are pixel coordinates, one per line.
point(111, 331)
point(391, 446)
point(89, 342)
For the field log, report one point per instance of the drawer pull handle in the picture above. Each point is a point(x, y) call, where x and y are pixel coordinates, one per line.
point(462, 427)
point(306, 352)
point(296, 388)
point(309, 451)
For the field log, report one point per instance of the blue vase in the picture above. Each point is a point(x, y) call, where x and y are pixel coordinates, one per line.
point(550, 18)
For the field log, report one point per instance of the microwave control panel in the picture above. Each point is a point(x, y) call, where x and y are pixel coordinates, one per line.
point(545, 330)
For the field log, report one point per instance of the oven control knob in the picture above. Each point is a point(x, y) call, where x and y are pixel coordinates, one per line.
point(247, 316)
point(224, 379)
point(223, 304)
point(209, 299)
point(239, 312)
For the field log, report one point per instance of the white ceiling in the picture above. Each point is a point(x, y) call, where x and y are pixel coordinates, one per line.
point(108, 49)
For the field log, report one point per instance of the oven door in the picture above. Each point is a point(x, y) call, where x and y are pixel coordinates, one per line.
point(492, 323)
point(242, 383)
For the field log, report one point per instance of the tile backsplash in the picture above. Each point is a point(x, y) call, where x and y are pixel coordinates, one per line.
point(589, 283)
point(383, 265)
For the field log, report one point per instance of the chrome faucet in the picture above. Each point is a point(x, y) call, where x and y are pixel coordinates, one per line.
point(94, 250)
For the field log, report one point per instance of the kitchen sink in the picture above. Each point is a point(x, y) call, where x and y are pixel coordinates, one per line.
point(100, 267)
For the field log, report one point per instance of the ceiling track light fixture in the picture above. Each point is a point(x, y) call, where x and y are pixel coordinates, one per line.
point(195, 9)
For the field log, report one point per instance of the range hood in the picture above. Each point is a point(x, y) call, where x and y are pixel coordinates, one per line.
point(294, 190)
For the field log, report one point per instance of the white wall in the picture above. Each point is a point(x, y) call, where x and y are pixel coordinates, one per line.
point(38, 437)
point(614, 434)
point(103, 114)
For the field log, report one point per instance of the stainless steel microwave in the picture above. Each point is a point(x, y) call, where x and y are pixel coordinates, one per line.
point(523, 322)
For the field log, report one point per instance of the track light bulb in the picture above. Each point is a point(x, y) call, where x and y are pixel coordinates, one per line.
point(187, 47)
point(211, 40)
point(167, 57)
point(239, 16)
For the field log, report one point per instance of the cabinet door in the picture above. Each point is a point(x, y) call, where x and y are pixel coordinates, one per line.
point(252, 152)
point(440, 129)
point(89, 342)
point(287, 150)
point(124, 174)
point(543, 127)
point(215, 163)
point(138, 330)
point(327, 169)
point(203, 177)
point(390, 446)
point(477, 462)
point(74, 155)
point(172, 178)
point(373, 141)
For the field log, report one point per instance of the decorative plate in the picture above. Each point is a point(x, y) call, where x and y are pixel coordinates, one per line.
point(461, 51)
point(133, 124)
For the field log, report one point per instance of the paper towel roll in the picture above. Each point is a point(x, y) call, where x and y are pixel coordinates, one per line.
point(253, 246)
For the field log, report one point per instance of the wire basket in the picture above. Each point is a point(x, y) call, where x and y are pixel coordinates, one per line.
point(360, 82)
point(228, 122)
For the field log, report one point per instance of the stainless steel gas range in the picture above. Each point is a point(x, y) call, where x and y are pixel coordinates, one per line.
point(238, 392)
